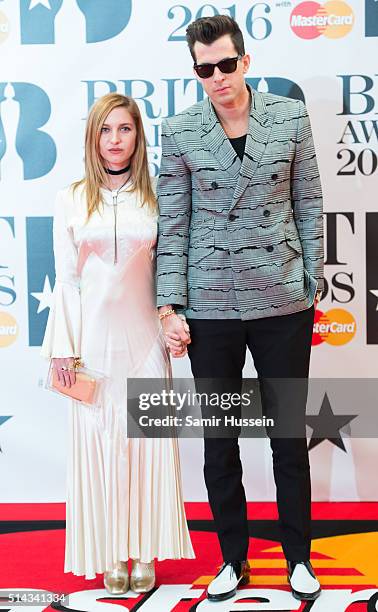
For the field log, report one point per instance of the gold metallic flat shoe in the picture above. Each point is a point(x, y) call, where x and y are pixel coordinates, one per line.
point(116, 581)
point(142, 578)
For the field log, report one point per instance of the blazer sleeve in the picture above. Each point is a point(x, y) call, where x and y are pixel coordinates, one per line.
point(175, 202)
point(307, 199)
point(63, 330)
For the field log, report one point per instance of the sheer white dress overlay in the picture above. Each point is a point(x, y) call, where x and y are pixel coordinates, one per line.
point(124, 497)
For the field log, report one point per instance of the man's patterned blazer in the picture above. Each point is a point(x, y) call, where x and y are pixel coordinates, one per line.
point(239, 239)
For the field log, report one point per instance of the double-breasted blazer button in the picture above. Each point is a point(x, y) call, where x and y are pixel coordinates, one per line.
point(270, 248)
point(214, 185)
point(266, 213)
point(274, 176)
point(232, 217)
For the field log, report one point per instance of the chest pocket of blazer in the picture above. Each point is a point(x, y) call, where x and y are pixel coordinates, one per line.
point(201, 240)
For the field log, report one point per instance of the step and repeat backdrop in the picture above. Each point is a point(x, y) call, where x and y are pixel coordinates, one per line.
point(56, 58)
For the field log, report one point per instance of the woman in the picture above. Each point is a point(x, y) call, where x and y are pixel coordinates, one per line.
point(124, 495)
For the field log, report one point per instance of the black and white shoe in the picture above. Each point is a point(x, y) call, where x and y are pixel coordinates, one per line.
point(304, 584)
point(230, 576)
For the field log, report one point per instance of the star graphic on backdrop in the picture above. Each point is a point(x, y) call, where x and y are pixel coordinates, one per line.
point(44, 297)
point(34, 3)
point(375, 292)
point(326, 425)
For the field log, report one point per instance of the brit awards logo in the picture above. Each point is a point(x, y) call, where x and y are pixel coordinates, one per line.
point(371, 278)
point(277, 86)
point(25, 149)
point(104, 19)
point(371, 18)
point(9, 327)
point(360, 133)
point(41, 275)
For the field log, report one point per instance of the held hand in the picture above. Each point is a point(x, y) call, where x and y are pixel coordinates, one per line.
point(177, 335)
point(317, 299)
point(65, 370)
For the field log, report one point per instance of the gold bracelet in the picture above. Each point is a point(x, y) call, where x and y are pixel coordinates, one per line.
point(162, 315)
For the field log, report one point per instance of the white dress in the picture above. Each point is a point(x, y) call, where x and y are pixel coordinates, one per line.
point(124, 496)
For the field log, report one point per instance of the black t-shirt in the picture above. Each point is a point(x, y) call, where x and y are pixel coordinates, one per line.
point(239, 145)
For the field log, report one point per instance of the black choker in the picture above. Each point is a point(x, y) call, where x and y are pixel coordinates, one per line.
point(116, 172)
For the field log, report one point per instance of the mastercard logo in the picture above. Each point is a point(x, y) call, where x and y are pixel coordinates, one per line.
point(334, 19)
point(4, 27)
point(336, 327)
point(8, 329)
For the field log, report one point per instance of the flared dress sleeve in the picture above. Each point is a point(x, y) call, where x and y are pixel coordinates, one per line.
point(63, 330)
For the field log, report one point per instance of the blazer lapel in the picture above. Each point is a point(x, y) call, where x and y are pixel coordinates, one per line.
point(215, 139)
point(260, 124)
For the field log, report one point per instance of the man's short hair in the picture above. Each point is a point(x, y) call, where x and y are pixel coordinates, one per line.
point(208, 29)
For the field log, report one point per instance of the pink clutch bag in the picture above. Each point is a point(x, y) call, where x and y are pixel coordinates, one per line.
point(86, 389)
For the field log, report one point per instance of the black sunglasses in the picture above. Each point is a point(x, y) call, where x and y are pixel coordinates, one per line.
point(227, 66)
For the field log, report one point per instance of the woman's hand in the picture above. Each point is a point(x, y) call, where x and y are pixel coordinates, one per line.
point(177, 335)
point(65, 370)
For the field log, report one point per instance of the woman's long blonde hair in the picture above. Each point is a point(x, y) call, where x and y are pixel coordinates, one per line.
point(95, 175)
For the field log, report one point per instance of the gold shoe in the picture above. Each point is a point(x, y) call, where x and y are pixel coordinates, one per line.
point(142, 577)
point(116, 581)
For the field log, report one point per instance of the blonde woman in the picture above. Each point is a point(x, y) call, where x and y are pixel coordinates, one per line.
point(124, 496)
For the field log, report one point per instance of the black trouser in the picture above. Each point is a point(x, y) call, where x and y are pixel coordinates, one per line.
point(280, 348)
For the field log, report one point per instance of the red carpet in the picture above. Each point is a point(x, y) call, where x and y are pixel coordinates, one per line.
point(344, 554)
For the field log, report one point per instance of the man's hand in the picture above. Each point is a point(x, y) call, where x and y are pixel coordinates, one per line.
point(177, 334)
point(65, 370)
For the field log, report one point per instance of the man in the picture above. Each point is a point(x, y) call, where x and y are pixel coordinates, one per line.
point(240, 254)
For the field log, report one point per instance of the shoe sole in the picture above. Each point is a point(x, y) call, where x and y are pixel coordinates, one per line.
point(305, 596)
point(223, 596)
point(142, 590)
point(117, 591)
